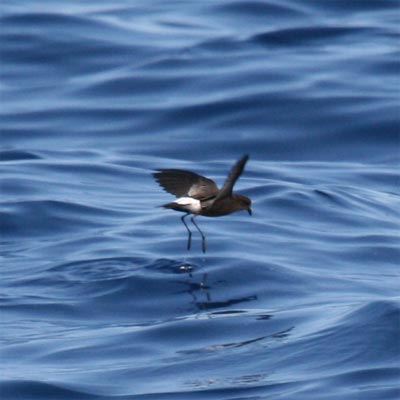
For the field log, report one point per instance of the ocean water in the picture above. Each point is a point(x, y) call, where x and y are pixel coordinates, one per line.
point(100, 298)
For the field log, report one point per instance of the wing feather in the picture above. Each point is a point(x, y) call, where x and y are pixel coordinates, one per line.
point(185, 183)
point(232, 177)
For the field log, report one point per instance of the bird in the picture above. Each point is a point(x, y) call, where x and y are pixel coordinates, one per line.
point(197, 195)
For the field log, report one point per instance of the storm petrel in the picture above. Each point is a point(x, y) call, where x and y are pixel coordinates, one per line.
point(199, 195)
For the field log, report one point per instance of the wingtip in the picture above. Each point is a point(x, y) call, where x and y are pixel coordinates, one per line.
point(156, 175)
point(244, 160)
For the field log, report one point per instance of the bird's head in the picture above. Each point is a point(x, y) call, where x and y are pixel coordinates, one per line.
point(243, 202)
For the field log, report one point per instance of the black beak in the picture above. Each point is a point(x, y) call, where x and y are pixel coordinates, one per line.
point(249, 211)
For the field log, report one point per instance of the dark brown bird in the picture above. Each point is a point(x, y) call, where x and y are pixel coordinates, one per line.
point(199, 195)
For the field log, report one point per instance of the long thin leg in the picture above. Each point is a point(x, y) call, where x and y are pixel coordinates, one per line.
point(204, 280)
point(189, 231)
point(203, 238)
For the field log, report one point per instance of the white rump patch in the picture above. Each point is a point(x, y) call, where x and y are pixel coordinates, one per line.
point(190, 204)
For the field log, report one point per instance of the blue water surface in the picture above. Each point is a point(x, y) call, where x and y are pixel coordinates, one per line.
point(100, 298)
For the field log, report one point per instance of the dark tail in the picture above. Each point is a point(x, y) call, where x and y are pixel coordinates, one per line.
point(168, 205)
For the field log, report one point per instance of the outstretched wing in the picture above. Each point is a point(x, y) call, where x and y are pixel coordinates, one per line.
point(233, 176)
point(185, 183)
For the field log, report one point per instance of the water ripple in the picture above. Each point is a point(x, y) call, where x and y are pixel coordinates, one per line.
point(100, 298)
